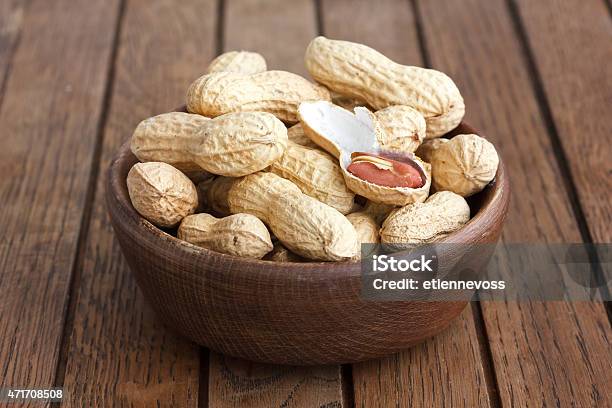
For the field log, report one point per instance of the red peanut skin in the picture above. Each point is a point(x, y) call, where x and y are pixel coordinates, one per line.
point(401, 175)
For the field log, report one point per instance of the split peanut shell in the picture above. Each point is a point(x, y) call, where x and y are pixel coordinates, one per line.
point(341, 133)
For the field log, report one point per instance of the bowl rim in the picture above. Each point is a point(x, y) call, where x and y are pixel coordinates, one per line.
point(478, 225)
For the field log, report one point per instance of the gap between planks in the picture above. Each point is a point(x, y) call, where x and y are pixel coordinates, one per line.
point(486, 356)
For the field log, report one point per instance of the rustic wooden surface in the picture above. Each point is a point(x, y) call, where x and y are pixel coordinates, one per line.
point(134, 359)
point(52, 108)
point(75, 78)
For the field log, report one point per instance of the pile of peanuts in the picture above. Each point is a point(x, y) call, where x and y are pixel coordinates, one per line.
point(267, 164)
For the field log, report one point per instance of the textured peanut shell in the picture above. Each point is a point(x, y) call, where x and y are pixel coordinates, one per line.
point(303, 224)
point(234, 145)
point(442, 213)
point(242, 62)
point(160, 193)
point(403, 128)
point(358, 71)
point(464, 165)
point(317, 174)
point(276, 92)
point(366, 226)
point(161, 138)
point(427, 148)
point(213, 194)
point(296, 135)
point(367, 232)
point(241, 235)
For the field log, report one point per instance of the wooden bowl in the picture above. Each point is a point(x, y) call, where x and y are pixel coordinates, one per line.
point(282, 313)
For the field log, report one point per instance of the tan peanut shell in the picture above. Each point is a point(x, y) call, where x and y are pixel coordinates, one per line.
point(160, 137)
point(235, 144)
point(160, 193)
point(428, 147)
point(277, 92)
point(239, 234)
point(358, 71)
point(403, 128)
point(366, 226)
point(341, 133)
point(441, 214)
point(367, 232)
point(303, 224)
point(296, 135)
point(242, 62)
point(213, 194)
point(317, 174)
point(464, 165)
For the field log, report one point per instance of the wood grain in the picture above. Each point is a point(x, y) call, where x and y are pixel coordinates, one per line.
point(415, 377)
point(445, 371)
point(237, 383)
point(11, 21)
point(49, 117)
point(119, 354)
point(576, 36)
point(280, 31)
point(554, 353)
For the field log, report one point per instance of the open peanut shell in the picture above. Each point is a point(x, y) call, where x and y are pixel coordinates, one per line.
point(341, 133)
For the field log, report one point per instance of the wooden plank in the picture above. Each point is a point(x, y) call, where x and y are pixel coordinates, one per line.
point(571, 48)
point(11, 19)
point(118, 353)
point(445, 371)
point(554, 353)
point(415, 377)
point(280, 31)
point(238, 383)
point(50, 113)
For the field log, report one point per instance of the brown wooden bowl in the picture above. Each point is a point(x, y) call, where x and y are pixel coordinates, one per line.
point(283, 313)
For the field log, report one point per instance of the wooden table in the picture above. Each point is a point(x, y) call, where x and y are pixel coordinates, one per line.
point(76, 76)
